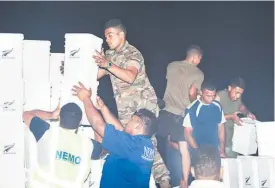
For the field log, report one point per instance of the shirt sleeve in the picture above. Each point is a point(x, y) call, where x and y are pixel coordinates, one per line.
point(134, 60)
point(223, 120)
point(97, 149)
point(38, 127)
point(118, 142)
point(186, 121)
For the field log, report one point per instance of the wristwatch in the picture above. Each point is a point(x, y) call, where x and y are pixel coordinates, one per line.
point(108, 65)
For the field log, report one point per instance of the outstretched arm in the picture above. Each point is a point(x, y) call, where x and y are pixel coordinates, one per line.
point(94, 117)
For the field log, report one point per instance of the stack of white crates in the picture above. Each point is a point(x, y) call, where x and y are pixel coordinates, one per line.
point(80, 67)
point(36, 71)
point(11, 107)
point(56, 60)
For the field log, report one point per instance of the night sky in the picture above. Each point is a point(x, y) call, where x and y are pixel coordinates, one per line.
point(237, 38)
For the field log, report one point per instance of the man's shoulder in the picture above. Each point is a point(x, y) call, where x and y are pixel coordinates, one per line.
point(217, 104)
point(194, 105)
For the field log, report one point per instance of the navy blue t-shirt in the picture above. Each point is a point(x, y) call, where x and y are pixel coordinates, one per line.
point(38, 127)
point(129, 162)
point(205, 120)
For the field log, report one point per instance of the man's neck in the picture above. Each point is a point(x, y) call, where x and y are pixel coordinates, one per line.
point(213, 178)
point(120, 46)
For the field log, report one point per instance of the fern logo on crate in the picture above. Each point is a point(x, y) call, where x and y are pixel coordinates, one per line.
point(74, 53)
point(9, 149)
point(247, 182)
point(8, 106)
point(264, 184)
point(7, 54)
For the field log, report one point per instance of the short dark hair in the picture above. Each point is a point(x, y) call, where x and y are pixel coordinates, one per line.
point(115, 23)
point(237, 82)
point(194, 50)
point(209, 85)
point(148, 119)
point(70, 116)
point(206, 161)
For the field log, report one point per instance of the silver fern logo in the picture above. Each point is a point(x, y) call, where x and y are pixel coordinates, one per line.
point(5, 53)
point(8, 106)
point(7, 149)
point(73, 53)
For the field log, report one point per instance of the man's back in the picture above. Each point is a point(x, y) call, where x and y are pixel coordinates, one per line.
point(130, 161)
point(180, 76)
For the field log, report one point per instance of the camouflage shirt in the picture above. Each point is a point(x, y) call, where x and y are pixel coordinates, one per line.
point(139, 94)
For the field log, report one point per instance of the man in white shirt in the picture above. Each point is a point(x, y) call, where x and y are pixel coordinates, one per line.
point(206, 168)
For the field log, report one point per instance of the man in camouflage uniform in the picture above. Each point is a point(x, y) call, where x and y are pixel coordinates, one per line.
point(131, 86)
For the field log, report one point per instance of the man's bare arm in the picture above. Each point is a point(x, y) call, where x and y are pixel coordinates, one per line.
point(127, 75)
point(193, 93)
point(45, 115)
point(189, 138)
point(185, 160)
point(221, 134)
point(110, 118)
point(101, 73)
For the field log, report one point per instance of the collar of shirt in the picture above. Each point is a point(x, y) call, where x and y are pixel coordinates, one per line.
point(207, 184)
point(189, 63)
point(113, 52)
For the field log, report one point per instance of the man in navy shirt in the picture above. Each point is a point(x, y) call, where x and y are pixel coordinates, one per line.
point(204, 120)
point(131, 151)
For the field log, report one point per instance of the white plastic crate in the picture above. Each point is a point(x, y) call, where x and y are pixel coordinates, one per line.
point(37, 95)
point(245, 145)
point(36, 60)
point(11, 49)
point(247, 171)
point(230, 173)
point(266, 139)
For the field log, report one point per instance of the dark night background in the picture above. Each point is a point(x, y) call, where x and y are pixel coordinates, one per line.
point(237, 38)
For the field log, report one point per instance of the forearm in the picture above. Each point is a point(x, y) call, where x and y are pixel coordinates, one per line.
point(191, 141)
point(123, 74)
point(110, 118)
point(222, 137)
point(193, 97)
point(94, 117)
point(101, 72)
point(185, 160)
point(45, 115)
point(243, 109)
point(228, 116)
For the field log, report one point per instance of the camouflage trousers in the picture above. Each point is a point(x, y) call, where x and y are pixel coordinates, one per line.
point(159, 170)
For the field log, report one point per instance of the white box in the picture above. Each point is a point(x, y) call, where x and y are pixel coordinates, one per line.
point(37, 95)
point(55, 64)
point(266, 173)
point(79, 51)
point(11, 49)
point(11, 96)
point(12, 153)
point(80, 66)
point(245, 145)
point(230, 173)
point(266, 139)
point(36, 60)
point(248, 175)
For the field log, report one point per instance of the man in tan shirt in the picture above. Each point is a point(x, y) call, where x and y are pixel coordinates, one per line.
point(184, 80)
